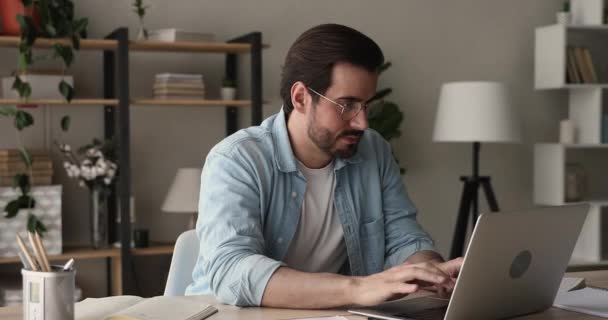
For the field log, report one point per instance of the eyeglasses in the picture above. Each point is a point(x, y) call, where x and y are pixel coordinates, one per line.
point(349, 110)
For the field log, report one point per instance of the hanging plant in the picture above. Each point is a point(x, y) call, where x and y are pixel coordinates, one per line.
point(56, 20)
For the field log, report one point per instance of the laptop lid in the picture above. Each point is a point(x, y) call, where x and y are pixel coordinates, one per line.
point(513, 265)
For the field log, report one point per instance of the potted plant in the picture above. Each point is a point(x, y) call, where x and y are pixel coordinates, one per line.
point(228, 91)
point(384, 115)
point(9, 9)
point(140, 9)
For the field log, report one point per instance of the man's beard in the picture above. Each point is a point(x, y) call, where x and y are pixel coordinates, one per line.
point(324, 140)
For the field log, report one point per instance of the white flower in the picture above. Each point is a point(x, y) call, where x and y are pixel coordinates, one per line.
point(66, 165)
point(87, 162)
point(64, 147)
point(81, 183)
point(107, 181)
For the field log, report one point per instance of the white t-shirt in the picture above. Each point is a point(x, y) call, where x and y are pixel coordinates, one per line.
point(318, 244)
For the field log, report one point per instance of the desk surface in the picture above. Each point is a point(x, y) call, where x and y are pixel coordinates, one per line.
point(595, 278)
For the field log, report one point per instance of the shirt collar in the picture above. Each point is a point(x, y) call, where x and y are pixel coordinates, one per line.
point(285, 158)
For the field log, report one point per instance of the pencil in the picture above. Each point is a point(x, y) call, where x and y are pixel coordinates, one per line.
point(45, 259)
point(37, 254)
point(26, 253)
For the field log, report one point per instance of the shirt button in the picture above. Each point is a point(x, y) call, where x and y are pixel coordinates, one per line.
point(294, 194)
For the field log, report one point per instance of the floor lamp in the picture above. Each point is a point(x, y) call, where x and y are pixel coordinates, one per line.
point(474, 112)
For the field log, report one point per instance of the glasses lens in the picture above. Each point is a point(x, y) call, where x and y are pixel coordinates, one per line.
point(351, 110)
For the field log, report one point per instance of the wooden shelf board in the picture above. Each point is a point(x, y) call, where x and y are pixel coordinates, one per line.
point(218, 47)
point(113, 102)
point(194, 102)
point(85, 44)
point(82, 253)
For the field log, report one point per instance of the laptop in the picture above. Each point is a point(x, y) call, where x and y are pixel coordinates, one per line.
point(513, 266)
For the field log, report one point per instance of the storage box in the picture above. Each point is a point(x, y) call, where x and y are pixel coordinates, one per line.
point(48, 210)
point(43, 86)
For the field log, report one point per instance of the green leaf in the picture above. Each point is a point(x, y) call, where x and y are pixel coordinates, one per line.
point(50, 29)
point(22, 181)
point(11, 209)
point(76, 41)
point(35, 225)
point(26, 91)
point(22, 22)
point(23, 120)
point(65, 52)
point(23, 62)
point(65, 123)
point(66, 90)
point(26, 157)
point(7, 111)
point(80, 25)
point(26, 202)
point(384, 66)
point(27, 3)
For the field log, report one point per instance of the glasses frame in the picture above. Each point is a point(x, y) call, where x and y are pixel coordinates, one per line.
point(361, 105)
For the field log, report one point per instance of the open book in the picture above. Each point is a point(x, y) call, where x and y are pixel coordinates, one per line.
point(138, 308)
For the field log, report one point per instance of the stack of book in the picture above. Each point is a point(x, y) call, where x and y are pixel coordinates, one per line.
point(579, 66)
point(179, 35)
point(11, 164)
point(179, 86)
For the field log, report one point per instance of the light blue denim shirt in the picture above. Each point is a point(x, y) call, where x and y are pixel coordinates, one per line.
point(249, 209)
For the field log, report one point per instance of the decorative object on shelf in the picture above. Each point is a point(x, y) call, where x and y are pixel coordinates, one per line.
point(228, 91)
point(587, 12)
point(140, 9)
point(564, 16)
point(178, 35)
point(474, 112)
point(44, 84)
point(97, 170)
point(179, 86)
point(575, 182)
point(141, 238)
point(11, 165)
point(384, 115)
point(9, 9)
point(47, 212)
point(183, 194)
point(567, 132)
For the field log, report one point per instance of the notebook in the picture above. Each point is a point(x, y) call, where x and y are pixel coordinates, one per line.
point(138, 308)
point(593, 301)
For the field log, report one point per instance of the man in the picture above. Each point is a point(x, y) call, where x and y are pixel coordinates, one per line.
point(308, 210)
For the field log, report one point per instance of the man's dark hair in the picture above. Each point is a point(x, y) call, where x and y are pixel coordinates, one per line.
point(313, 55)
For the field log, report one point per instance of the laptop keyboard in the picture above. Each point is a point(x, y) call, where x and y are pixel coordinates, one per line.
point(426, 314)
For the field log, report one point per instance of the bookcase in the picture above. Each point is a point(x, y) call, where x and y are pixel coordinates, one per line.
point(587, 109)
point(117, 101)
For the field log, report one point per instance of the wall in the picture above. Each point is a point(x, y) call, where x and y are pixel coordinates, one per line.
point(429, 42)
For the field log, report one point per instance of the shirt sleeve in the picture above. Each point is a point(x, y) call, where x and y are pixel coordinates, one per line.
point(230, 232)
point(403, 234)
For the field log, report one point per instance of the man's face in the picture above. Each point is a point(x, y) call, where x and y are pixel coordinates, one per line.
point(326, 128)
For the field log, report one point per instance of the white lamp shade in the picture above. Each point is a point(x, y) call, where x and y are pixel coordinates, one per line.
point(184, 192)
point(475, 112)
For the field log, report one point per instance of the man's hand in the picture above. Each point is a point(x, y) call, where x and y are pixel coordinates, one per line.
point(451, 269)
point(398, 281)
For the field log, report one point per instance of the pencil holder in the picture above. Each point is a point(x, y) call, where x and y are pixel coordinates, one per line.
point(48, 295)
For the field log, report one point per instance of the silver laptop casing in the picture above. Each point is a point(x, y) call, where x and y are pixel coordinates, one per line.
point(513, 265)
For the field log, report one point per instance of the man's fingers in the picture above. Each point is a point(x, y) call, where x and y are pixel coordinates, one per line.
point(422, 274)
point(405, 288)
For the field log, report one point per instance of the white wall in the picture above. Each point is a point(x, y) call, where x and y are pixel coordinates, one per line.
point(429, 42)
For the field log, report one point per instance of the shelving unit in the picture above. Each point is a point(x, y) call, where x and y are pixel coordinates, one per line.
point(117, 102)
point(586, 108)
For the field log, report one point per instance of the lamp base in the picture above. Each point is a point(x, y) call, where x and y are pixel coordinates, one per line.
point(468, 205)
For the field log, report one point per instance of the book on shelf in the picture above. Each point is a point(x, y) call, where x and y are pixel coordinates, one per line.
point(589, 63)
point(185, 92)
point(179, 76)
point(19, 165)
point(183, 85)
point(6, 181)
point(179, 35)
point(572, 70)
point(34, 172)
point(138, 308)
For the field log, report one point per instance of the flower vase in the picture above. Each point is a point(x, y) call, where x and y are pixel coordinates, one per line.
point(98, 212)
point(143, 32)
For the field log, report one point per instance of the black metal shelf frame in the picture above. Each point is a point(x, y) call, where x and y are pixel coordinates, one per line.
point(117, 126)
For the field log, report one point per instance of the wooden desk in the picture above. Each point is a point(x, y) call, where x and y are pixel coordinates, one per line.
point(595, 278)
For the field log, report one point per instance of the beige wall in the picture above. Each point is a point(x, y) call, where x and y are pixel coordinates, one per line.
point(428, 41)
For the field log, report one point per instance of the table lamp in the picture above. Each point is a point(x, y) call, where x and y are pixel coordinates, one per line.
point(183, 194)
point(474, 112)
